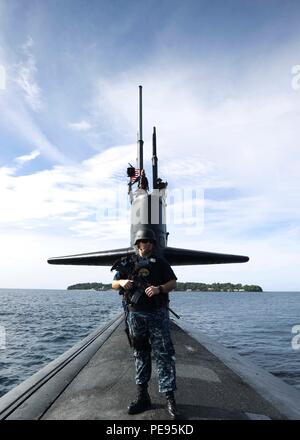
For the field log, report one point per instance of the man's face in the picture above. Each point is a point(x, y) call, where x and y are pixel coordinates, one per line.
point(145, 247)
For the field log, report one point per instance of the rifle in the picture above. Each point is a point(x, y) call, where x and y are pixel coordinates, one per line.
point(129, 267)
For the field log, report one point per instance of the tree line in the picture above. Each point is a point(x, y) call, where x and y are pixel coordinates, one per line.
point(181, 287)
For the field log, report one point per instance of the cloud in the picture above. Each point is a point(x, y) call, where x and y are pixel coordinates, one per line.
point(26, 77)
point(17, 117)
point(64, 194)
point(27, 157)
point(237, 129)
point(80, 126)
point(16, 110)
point(24, 256)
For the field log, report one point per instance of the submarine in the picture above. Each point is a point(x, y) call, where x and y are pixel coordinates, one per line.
point(94, 380)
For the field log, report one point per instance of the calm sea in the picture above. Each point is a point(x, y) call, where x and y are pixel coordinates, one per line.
point(36, 326)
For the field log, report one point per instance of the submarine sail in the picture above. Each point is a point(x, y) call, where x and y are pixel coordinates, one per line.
point(148, 211)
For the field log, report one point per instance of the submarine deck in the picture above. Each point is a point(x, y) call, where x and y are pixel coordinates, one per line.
point(101, 384)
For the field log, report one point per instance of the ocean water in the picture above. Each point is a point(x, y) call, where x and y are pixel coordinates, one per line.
point(36, 326)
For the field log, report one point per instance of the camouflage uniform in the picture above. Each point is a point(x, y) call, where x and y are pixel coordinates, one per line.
point(149, 324)
point(155, 327)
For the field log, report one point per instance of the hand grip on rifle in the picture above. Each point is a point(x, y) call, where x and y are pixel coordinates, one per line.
point(126, 284)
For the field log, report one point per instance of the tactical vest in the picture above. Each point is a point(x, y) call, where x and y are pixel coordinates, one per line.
point(140, 270)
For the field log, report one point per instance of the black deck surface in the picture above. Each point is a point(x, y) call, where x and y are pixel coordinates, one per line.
point(207, 389)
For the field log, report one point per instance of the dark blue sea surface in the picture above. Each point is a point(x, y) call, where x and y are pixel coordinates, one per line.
point(39, 325)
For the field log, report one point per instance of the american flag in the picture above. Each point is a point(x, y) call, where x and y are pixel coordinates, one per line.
point(136, 174)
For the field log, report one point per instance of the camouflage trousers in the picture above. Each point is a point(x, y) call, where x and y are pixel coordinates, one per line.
point(153, 327)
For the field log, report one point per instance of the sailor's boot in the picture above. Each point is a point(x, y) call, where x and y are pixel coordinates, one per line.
point(171, 406)
point(142, 402)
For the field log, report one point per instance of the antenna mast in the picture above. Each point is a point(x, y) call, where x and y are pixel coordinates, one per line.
point(154, 159)
point(140, 140)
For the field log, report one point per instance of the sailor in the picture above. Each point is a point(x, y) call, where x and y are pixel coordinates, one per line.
point(161, 184)
point(147, 279)
point(143, 181)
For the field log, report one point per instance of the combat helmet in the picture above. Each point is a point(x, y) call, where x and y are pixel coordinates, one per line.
point(145, 234)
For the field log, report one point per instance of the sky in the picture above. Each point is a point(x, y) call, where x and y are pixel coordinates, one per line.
point(221, 84)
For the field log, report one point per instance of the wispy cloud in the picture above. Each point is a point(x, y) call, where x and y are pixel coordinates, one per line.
point(68, 194)
point(21, 96)
point(27, 157)
point(25, 125)
point(26, 77)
